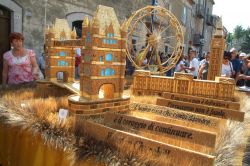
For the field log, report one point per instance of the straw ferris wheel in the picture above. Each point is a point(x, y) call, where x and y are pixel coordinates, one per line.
point(158, 36)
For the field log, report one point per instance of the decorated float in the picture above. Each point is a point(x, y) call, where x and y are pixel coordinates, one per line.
point(94, 121)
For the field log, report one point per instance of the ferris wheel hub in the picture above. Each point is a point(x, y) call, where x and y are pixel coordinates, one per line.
point(154, 39)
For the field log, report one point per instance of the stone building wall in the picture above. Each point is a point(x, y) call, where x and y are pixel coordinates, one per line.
point(29, 17)
point(209, 30)
point(34, 14)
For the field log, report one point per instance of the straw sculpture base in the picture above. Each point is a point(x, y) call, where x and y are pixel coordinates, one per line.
point(31, 134)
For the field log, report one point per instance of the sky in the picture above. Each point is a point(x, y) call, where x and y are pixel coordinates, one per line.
point(233, 12)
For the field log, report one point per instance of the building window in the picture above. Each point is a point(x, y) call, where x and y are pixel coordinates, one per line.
point(207, 11)
point(103, 72)
point(88, 38)
point(109, 57)
point(109, 39)
point(101, 58)
point(62, 53)
point(184, 15)
point(108, 72)
point(110, 35)
point(62, 63)
point(78, 26)
point(112, 72)
point(201, 2)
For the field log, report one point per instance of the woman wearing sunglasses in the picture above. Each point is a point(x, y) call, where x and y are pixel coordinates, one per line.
point(227, 67)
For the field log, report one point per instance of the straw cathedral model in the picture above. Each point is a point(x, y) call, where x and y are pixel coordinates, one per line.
point(147, 84)
point(217, 51)
point(103, 56)
point(219, 87)
point(103, 62)
point(60, 51)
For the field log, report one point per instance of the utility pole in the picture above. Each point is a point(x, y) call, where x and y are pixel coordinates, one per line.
point(45, 19)
point(154, 3)
point(203, 27)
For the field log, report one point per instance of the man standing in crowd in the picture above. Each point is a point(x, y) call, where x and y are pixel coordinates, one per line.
point(235, 62)
point(203, 68)
point(246, 75)
point(194, 63)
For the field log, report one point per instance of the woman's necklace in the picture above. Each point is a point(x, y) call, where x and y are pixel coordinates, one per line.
point(18, 53)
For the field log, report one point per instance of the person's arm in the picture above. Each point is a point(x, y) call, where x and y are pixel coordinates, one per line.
point(182, 66)
point(247, 77)
point(35, 68)
point(237, 70)
point(191, 66)
point(244, 77)
point(202, 67)
point(5, 73)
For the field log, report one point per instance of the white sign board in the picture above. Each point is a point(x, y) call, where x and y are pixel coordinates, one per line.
point(62, 115)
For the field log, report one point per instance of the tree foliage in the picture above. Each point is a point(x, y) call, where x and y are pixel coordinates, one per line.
point(242, 38)
point(238, 32)
point(245, 45)
point(229, 37)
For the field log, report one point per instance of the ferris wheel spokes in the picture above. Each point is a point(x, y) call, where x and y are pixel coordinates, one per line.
point(157, 34)
point(142, 56)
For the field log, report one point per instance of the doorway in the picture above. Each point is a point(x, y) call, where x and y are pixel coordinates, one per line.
point(5, 20)
point(106, 91)
point(78, 26)
point(62, 76)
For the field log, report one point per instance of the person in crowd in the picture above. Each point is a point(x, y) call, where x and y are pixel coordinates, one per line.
point(19, 64)
point(77, 63)
point(203, 68)
point(246, 75)
point(129, 65)
point(186, 62)
point(139, 57)
point(243, 67)
point(203, 56)
point(235, 62)
point(206, 58)
point(41, 62)
point(227, 67)
point(180, 66)
point(194, 63)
